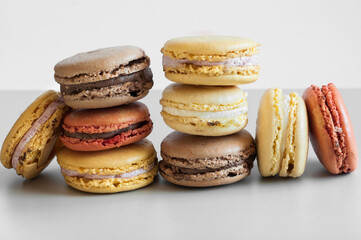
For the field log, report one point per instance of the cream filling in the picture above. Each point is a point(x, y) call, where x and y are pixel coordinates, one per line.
point(232, 62)
point(137, 172)
point(214, 115)
point(33, 130)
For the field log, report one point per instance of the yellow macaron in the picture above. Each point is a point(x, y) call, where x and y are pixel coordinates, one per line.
point(204, 110)
point(32, 141)
point(116, 170)
point(211, 60)
point(281, 134)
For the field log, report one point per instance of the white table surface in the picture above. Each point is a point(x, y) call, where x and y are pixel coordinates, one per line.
point(314, 206)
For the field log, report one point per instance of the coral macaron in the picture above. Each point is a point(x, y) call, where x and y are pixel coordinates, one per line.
point(331, 130)
point(100, 129)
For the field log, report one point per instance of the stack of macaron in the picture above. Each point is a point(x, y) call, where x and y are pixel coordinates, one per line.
point(207, 110)
point(105, 150)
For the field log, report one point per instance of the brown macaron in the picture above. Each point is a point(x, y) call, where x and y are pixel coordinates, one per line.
point(198, 161)
point(104, 77)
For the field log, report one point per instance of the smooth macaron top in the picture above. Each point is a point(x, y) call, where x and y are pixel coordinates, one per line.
point(207, 45)
point(191, 94)
point(181, 145)
point(121, 157)
point(128, 113)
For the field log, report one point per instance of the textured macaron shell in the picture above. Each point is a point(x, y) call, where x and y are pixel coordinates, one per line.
point(97, 121)
point(40, 149)
point(102, 63)
point(198, 161)
point(139, 155)
point(324, 142)
point(281, 135)
point(183, 105)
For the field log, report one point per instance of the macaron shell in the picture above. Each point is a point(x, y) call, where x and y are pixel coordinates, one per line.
point(76, 102)
point(212, 80)
point(301, 141)
point(130, 113)
point(209, 183)
point(207, 45)
point(124, 157)
point(181, 145)
point(195, 128)
point(122, 139)
point(189, 94)
point(266, 132)
point(112, 185)
point(100, 60)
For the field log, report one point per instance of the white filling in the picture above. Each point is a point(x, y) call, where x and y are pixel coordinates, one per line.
point(223, 114)
point(73, 173)
point(232, 62)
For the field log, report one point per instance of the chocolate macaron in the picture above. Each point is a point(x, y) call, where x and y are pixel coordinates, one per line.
point(331, 130)
point(198, 161)
point(104, 77)
point(106, 128)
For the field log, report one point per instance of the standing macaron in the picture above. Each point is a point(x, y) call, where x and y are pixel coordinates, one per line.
point(204, 110)
point(331, 130)
point(115, 170)
point(281, 134)
point(211, 60)
point(105, 77)
point(198, 161)
point(106, 128)
point(32, 142)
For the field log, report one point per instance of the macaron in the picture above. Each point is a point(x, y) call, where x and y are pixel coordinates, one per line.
point(281, 134)
point(106, 128)
point(115, 170)
point(204, 110)
point(331, 130)
point(32, 141)
point(198, 161)
point(104, 77)
point(211, 60)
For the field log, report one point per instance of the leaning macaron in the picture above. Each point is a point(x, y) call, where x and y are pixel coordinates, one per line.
point(115, 170)
point(331, 130)
point(211, 60)
point(198, 161)
point(204, 110)
point(106, 128)
point(105, 77)
point(281, 134)
point(32, 142)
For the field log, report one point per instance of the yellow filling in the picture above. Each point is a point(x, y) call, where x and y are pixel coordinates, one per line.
point(204, 107)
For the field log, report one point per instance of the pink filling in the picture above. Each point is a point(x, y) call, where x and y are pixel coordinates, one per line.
point(72, 173)
point(33, 130)
point(233, 62)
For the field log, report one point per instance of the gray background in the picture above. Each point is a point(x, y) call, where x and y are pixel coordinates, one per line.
point(316, 205)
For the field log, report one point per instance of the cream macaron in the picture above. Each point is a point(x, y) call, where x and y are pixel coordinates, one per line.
point(211, 60)
point(204, 110)
point(281, 134)
point(116, 170)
